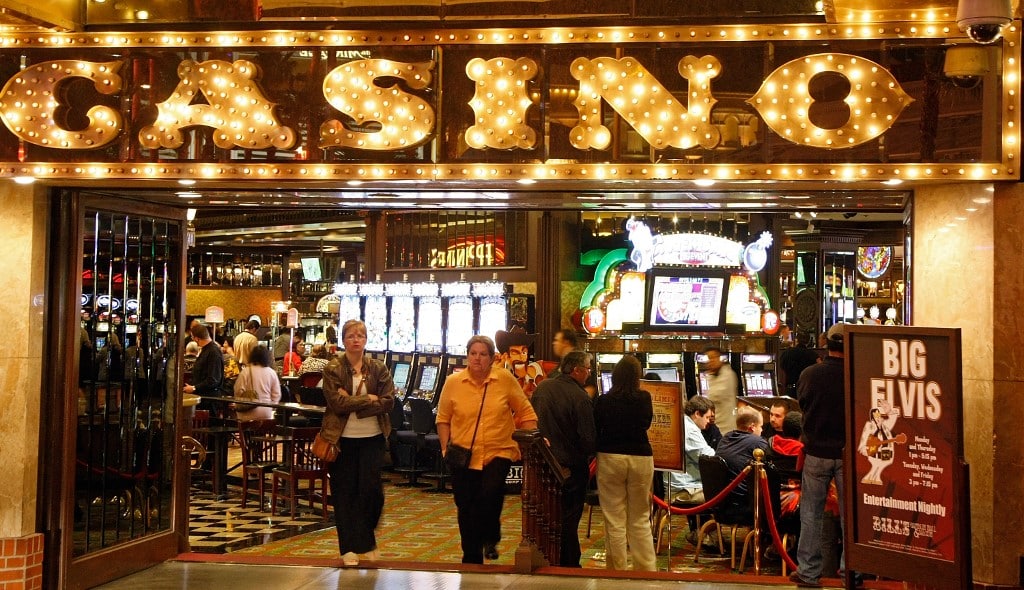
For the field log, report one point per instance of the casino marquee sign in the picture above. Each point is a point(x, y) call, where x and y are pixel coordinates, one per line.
point(518, 104)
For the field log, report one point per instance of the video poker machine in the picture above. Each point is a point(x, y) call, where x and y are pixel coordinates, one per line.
point(426, 379)
point(402, 366)
point(605, 363)
point(757, 373)
point(667, 366)
point(700, 361)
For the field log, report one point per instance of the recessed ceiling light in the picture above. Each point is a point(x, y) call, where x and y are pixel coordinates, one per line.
point(24, 179)
point(526, 181)
point(186, 182)
point(189, 195)
point(893, 181)
point(704, 182)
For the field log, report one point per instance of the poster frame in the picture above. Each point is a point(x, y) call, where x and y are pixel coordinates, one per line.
point(909, 566)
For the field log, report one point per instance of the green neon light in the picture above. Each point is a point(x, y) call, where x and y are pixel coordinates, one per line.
point(608, 262)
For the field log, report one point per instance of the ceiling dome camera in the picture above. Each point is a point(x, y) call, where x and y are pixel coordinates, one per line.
point(983, 20)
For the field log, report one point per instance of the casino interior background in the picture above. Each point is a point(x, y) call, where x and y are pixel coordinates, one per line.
point(966, 244)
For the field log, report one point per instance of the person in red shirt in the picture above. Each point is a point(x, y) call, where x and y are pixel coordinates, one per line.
point(292, 363)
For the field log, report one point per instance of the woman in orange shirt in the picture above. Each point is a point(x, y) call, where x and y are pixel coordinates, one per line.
point(479, 409)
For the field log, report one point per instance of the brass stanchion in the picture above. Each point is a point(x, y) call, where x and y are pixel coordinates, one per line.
point(756, 483)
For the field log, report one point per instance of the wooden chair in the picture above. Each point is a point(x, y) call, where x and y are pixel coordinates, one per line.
point(300, 466)
point(259, 457)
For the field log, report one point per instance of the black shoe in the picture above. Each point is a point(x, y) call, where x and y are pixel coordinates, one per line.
point(490, 551)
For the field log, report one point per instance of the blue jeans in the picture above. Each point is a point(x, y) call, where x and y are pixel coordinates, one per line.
point(817, 475)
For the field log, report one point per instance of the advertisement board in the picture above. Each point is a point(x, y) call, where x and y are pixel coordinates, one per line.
point(666, 431)
point(906, 493)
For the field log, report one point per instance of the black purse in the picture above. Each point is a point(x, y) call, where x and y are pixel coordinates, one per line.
point(457, 457)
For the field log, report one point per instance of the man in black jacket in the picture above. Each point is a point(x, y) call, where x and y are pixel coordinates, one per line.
point(565, 418)
point(821, 392)
point(208, 372)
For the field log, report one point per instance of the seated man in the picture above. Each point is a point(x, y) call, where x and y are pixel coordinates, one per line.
point(737, 448)
point(685, 486)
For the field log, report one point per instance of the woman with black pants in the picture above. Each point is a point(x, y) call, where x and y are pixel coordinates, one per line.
point(479, 409)
point(359, 394)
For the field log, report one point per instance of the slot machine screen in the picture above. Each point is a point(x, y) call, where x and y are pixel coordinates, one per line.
point(606, 381)
point(400, 375)
point(428, 378)
point(759, 384)
point(665, 373)
point(686, 299)
point(101, 341)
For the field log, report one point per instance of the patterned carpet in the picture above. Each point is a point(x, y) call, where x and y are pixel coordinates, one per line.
point(421, 526)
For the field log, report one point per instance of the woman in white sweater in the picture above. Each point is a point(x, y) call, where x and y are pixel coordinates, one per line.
point(258, 376)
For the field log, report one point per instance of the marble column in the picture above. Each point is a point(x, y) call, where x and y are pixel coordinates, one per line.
point(968, 272)
point(22, 303)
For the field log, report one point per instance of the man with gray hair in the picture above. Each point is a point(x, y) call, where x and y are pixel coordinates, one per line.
point(565, 417)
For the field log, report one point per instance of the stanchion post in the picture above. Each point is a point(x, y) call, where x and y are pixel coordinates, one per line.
point(756, 484)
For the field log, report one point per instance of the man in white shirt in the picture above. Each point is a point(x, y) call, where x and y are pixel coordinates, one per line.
point(245, 342)
point(723, 386)
point(685, 486)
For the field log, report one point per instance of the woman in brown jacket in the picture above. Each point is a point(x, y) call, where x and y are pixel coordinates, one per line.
point(360, 394)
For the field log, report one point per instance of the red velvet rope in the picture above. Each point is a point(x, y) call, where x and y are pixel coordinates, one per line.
point(708, 503)
point(770, 517)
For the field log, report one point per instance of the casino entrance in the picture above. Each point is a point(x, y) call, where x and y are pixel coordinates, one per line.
point(249, 262)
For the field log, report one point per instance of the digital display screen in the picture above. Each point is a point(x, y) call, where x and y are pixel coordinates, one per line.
point(400, 375)
point(311, 269)
point(428, 378)
point(686, 299)
point(759, 383)
point(664, 373)
point(101, 342)
point(606, 381)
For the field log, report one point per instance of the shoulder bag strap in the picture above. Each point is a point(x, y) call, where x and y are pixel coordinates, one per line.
point(480, 413)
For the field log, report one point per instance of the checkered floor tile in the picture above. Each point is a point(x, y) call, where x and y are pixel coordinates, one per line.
point(222, 526)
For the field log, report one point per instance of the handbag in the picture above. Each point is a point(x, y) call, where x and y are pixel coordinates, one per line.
point(323, 449)
point(457, 457)
point(244, 389)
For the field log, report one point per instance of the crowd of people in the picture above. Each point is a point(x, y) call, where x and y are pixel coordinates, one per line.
point(597, 438)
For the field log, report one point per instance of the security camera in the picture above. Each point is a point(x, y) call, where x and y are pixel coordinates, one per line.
point(966, 65)
point(983, 20)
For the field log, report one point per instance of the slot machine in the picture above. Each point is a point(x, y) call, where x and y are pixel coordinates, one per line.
point(402, 367)
point(757, 374)
point(375, 316)
point(605, 363)
point(458, 315)
point(700, 361)
point(426, 380)
point(493, 305)
point(402, 324)
point(667, 366)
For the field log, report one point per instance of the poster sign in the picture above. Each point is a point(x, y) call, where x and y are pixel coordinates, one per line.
point(666, 431)
point(214, 315)
point(906, 489)
point(293, 318)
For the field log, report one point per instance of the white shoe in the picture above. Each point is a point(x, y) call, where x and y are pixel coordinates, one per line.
point(350, 559)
